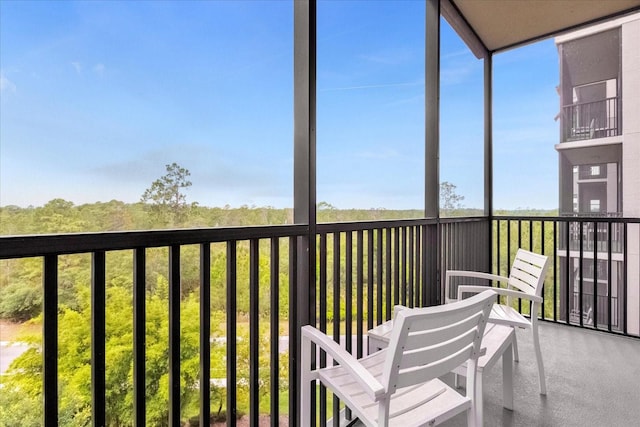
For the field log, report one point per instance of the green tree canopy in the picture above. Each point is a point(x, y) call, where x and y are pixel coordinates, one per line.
point(449, 199)
point(166, 197)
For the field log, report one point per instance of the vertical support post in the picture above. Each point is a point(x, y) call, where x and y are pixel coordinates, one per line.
point(432, 109)
point(432, 143)
point(304, 198)
point(304, 158)
point(488, 155)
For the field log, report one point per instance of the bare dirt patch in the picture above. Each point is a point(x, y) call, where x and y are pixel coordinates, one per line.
point(263, 421)
point(10, 331)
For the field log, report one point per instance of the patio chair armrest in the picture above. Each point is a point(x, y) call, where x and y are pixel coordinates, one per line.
point(476, 274)
point(500, 291)
point(472, 274)
point(368, 382)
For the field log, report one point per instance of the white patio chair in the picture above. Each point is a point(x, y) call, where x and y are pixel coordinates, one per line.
point(399, 385)
point(526, 281)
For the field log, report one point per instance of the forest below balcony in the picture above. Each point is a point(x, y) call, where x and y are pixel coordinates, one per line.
point(21, 300)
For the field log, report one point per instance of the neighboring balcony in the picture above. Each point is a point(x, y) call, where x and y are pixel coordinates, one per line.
point(587, 234)
point(591, 120)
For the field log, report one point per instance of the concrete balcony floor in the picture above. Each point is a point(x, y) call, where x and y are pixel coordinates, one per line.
point(593, 379)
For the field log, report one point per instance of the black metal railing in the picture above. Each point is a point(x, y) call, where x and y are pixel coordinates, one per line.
point(280, 243)
point(589, 120)
point(366, 268)
point(362, 269)
point(569, 284)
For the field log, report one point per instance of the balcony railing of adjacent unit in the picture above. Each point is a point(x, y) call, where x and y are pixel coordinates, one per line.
point(362, 269)
point(590, 120)
point(594, 232)
point(586, 318)
point(569, 275)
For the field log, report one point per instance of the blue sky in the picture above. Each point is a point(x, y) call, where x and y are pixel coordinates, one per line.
point(97, 97)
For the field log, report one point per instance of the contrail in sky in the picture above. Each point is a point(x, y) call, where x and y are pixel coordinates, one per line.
point(371, 86)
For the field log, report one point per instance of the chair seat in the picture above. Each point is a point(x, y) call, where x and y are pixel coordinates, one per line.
point(410, 406)
point(506, 315)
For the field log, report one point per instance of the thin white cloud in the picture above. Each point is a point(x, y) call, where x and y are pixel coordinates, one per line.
point(457, 53)
point(380, 154)
point(77, 66)
point(6, 85)
point(457, 74)
point(99, 69)
point(372, 86)
point(389, 57)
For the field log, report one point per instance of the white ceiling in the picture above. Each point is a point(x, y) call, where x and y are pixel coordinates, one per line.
point(501, 24)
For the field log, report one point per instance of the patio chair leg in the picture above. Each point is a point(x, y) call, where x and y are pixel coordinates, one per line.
point(471, 417)
point(515, 347)
point(536, 345)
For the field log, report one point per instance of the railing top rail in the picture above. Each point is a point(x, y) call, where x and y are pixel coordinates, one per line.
point(40, 245)
point(627, 220)
point(332, 227)
point(590, 102)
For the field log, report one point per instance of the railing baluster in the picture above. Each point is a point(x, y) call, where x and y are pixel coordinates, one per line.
point(497, 249)
point(205, 334)
point(232, 406)
point(274, 324)
point(417, 275)
point(595, 275)
point(370, 280)
point(388, 275)
point(411, 255)
point(568, 290)
point(294, 342)
point(323, 321)
point(396, 268)
point(403, 268)
point(544, 293)
point(379, 270)
point(581, 270)
point(254, 332)
point(50, 340)
point(348, 299)
point(555, 271)
point(349, 292)
point(174, 336)
point(609, 276)
point(359, 293)
point(336, 313)
point(519, 246)
point(139, 337)
point(624, 279)
point(98, 332)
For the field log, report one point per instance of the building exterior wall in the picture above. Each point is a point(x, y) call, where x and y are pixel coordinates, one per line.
point(622, 150)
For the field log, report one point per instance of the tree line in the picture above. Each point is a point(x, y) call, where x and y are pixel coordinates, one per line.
point(163, 205)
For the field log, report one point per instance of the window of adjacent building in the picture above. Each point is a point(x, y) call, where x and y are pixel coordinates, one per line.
point(595, 205)
point(595, 170)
